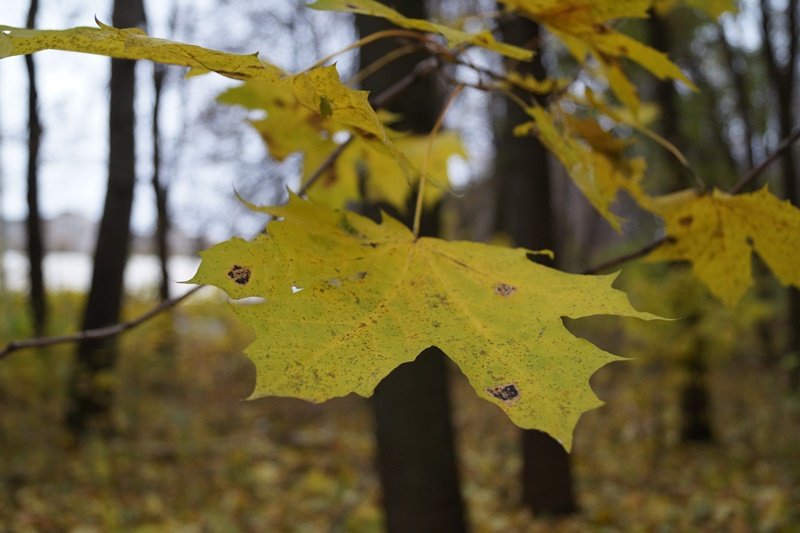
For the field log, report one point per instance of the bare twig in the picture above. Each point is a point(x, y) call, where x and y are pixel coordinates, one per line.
point(641, 252)
point(324, 166)
point(757, 171)
point(99, 333)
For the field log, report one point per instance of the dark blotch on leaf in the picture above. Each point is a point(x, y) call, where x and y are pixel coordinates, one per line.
point(686, 221)
point(504, 392)
point(239, 274)
point(504, 289)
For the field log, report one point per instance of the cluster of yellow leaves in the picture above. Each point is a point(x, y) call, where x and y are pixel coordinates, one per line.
point(364, 166)
point(373, 297)
point(584, 28)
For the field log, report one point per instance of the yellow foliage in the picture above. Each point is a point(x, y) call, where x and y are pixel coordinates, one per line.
point(373, 297)
point(583, 27)
point(718, 232)
point(593, 158)
point(290, 127)
point(454, 37)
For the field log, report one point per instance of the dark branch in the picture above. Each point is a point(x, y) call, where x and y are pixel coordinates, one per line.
point(617, 261)
point(754, 173)
point(99, 333)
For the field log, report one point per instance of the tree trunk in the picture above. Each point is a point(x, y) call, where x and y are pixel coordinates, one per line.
point(159, 189)
point(665, 96)
point(782, 79)
point(91, 391)
point(33, 222)
point(416, 453)
point(524, 210)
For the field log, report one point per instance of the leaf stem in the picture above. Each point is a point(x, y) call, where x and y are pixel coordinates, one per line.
point(426, 163)
point(372, 37)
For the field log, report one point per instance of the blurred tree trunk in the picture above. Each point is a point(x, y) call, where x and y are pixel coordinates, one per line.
point(159, 189)
point(782, 79)
point(696, 420)
point(524, 212)
point(665, 96)
point(91, 392)
point(736, 67)
point(33, 222)
point(416, 454)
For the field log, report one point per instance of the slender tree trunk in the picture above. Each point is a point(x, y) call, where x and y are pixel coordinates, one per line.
point(782, 79)
point(416, 454)
point(33, 222)
point(694, 395)
point(91, 391)
point(524, 210)
point(665, 96)
point(159, 189)
point(734, 64)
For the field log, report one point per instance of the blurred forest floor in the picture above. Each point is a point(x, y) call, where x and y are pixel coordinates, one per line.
point(190, 456)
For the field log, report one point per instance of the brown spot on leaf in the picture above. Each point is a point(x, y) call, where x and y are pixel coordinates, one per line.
point(686, 221)
point(239, 274)
point(504, 392)
point(504, 289)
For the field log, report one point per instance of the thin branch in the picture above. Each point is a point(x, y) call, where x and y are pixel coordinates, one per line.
point(641, 252)
point(99, 333)
point(423, 176)
point(324, 166)
point(757, 171)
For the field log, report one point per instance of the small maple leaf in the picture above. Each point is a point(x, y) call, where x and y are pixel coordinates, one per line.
point(374, 297)
point(718, 233)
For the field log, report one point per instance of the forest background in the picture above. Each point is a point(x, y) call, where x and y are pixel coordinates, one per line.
point(694, 432)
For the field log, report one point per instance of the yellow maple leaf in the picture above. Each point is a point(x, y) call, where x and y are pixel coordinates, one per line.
point(718, 233)
point(373, 297)
point(454, 36)
point(133, 43)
